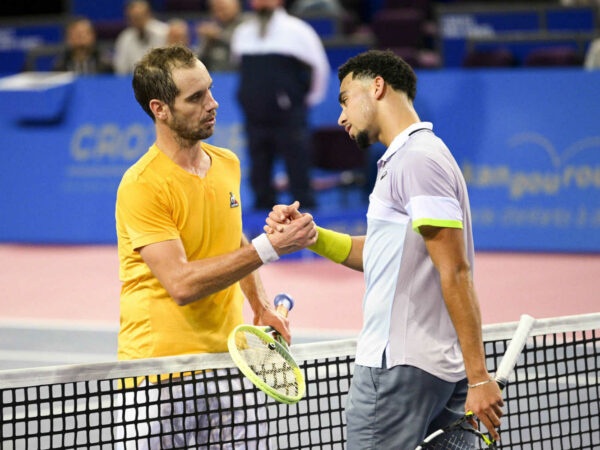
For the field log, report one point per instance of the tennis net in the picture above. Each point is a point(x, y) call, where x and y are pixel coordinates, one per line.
point(202, 401)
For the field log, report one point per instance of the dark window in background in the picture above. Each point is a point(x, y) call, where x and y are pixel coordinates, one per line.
point(31, 7)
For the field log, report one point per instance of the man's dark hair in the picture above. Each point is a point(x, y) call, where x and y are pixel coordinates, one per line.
point(152, 76)
point(384, 63)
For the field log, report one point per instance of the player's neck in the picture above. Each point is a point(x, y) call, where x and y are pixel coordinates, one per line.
point(394, 121)
point(188, 155)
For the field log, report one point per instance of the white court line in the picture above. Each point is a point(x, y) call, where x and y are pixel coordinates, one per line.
point(323, 334)
point(109, 327)
point(25, 324)
point(55, 357)
point(59, 324)
point(64, 357)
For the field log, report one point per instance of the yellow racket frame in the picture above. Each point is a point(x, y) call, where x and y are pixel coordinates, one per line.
point(279, 345)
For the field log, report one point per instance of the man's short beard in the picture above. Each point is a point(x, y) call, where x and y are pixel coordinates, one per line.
point(190, 135)
point(362, 140)
point(193, 136)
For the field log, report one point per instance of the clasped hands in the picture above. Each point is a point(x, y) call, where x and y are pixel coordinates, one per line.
point(289, 230)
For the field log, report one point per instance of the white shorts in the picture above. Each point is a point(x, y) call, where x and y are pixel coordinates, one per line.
point(187, 414)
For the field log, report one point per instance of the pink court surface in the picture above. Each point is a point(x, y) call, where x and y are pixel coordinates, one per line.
point(79, 285)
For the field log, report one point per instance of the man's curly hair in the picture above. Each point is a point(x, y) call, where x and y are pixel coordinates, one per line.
point(384, 63)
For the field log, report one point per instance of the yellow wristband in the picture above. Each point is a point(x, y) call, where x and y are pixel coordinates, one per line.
point(332, 245)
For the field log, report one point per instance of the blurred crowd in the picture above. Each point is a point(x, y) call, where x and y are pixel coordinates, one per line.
point(82, 52)
point(209, 32)
point(283, 67)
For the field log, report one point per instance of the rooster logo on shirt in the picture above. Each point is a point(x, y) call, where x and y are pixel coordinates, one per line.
point(233, 203)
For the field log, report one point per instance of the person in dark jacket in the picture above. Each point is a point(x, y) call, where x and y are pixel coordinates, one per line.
point(284, 71)
point(82, 54)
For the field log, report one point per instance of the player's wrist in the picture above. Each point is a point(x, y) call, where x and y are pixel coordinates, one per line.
point(332, 245)
point(265, 249)
point(259, 309)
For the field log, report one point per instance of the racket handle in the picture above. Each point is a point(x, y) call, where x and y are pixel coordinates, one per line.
point(284, 303)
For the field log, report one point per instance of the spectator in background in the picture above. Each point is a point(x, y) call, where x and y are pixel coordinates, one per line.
point(214, 36)
point(592, 56)
point(179, 33)
point(81, 53)
point(347, 20)
point(143, 33)
point(284, 71)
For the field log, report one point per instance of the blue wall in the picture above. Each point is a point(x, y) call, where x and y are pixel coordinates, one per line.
point(528, 143)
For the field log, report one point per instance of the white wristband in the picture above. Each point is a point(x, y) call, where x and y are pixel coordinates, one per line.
point(265, 249)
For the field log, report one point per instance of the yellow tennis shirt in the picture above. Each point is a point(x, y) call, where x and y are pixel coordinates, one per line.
point(157, 200)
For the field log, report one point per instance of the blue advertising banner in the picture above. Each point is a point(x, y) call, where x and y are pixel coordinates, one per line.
point(60, 174)
point(528, 142)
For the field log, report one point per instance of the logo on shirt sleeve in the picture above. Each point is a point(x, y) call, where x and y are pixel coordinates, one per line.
point(233, 203)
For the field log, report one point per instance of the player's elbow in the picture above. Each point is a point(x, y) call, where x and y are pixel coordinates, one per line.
point(456, 274)
point(181, 294)
point(462, 268)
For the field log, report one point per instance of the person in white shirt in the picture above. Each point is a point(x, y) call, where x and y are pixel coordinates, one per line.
point(284, 71)
point(143, 33)
point(420, 359)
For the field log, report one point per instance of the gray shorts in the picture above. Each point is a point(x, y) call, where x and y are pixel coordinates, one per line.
point(397, 408)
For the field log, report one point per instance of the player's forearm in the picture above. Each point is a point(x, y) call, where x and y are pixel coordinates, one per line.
point(355, 257)
point(202, 278)
point(254, 291)
point(463, 308)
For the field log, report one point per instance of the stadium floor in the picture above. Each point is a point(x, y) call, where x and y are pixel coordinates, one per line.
point(50, 293)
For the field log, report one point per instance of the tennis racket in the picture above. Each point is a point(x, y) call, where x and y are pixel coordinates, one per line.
point(263, 357)
point(461, 434)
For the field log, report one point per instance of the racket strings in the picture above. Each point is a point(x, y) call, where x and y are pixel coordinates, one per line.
point(266, 361)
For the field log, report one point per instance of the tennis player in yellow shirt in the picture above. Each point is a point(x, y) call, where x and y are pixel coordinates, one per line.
point(185, 265)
